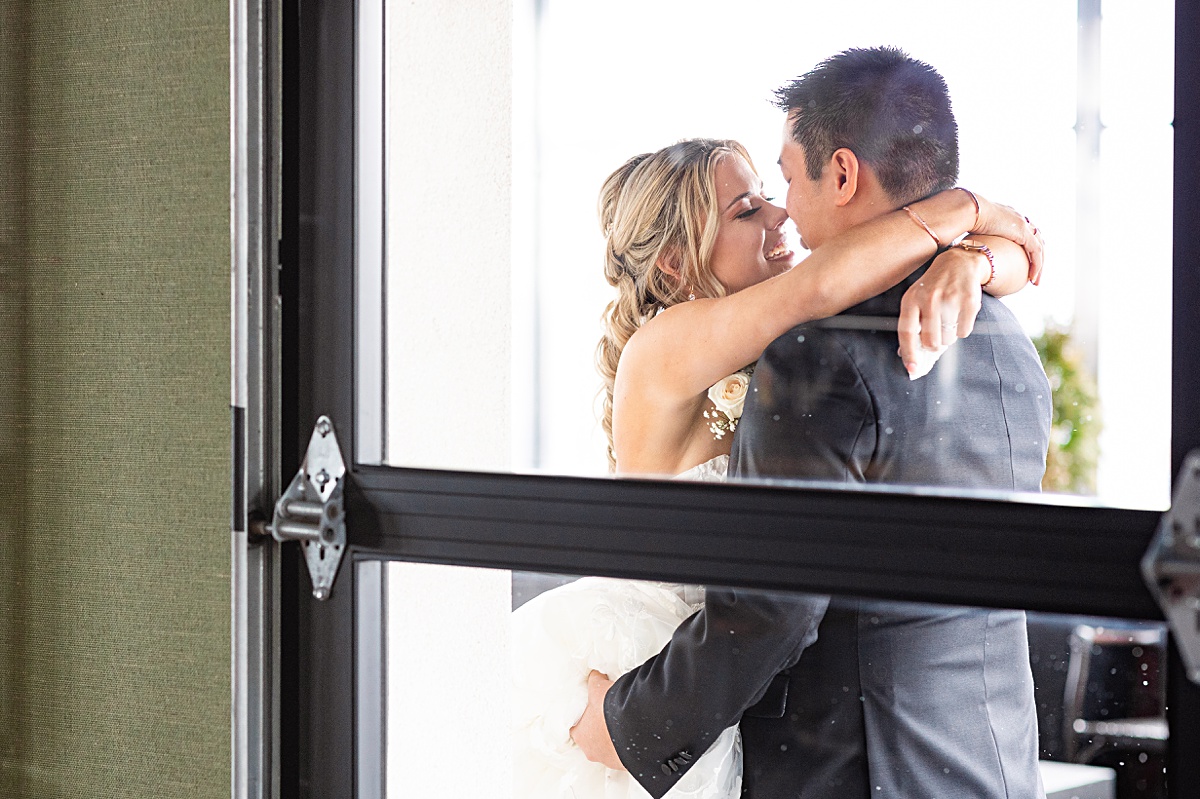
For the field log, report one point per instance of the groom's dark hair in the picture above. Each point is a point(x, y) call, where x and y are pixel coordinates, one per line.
point(891, 110)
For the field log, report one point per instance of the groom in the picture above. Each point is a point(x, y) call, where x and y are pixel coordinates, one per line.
point(841, 698)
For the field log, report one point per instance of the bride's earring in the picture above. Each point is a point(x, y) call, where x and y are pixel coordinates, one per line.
point(691, 294)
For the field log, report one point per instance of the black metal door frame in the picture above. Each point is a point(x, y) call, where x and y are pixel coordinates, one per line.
point(956, 551)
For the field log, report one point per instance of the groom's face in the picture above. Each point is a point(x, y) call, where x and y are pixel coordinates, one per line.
point(810, 203)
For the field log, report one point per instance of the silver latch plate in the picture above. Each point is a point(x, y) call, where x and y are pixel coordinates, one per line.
point(311, 510)
point(1171, 566)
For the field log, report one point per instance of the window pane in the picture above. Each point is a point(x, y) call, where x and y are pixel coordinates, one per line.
point(485, 674)
point(494, 279)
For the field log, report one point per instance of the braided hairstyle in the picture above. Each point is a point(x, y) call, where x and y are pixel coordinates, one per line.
point(659, 216)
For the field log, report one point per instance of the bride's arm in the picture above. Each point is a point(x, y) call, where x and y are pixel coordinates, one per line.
point(692, 345)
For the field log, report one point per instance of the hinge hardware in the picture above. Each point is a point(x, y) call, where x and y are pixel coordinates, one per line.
point(312, 511)
point(1171, 566)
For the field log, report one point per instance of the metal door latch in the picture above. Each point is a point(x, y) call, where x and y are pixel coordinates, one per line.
point(1171, 566)
point(312, 511)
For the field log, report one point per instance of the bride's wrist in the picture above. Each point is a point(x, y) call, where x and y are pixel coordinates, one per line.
point(983, 262)
point(975, 203)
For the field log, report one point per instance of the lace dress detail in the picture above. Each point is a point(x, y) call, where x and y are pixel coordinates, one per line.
point(711, 471)
point(610, 625)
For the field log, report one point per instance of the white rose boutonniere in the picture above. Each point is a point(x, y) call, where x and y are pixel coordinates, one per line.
point(729, 397)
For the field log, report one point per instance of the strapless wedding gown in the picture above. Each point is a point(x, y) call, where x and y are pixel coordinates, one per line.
point(610, 625)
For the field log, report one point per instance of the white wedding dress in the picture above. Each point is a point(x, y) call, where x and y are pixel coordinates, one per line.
point(610, 625)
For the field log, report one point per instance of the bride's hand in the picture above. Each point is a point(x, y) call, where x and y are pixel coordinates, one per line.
point(591, 733)
point(940, 307)
point(1001, 220)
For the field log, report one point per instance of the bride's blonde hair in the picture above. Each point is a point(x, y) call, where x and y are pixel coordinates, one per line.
point(659, 216)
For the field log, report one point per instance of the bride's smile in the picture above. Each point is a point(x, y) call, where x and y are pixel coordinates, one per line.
point(752, 243)
point(781, 251)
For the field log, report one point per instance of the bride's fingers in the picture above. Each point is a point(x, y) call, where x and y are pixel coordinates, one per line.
point(908, 329)
point(997, 219)
point(966, 321)
point(1029, 237)
point(934, 327)
point(1037, 263)
point(1034, 249)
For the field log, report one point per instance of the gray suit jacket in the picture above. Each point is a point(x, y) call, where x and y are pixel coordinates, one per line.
point(845, 698)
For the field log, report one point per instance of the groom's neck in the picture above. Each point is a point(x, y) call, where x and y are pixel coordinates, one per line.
point(868, 202)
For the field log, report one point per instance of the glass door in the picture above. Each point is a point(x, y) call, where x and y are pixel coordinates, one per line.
point(399, 682)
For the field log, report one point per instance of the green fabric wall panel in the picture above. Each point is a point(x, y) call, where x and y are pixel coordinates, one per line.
point(116, 227)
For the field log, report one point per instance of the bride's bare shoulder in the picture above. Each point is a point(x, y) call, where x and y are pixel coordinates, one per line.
point(657, 347)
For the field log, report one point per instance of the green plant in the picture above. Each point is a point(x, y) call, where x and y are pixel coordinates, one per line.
point(1074, 435)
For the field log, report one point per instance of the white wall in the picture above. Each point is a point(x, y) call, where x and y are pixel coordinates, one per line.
point(449, 316)
point(448, 278)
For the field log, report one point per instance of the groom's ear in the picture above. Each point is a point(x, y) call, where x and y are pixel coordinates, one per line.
point(843, 169)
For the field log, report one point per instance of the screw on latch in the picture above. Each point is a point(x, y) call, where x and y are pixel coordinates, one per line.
point(323, 427)
point(322, 478)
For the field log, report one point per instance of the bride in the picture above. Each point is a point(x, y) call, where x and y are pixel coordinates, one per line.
point(706, 278)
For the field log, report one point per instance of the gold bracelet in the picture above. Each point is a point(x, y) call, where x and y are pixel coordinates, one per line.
point(925, 227)
point(971, 246)
point(975, 200)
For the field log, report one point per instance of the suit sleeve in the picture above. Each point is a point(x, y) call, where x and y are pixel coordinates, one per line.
point(666, 713)
point(721, 661)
